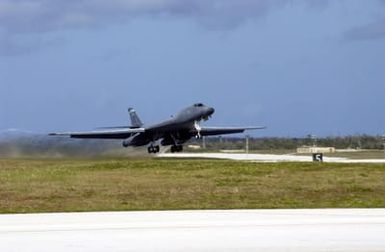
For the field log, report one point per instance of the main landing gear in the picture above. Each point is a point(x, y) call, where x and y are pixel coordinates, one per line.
point(153, 149)
point(176, 148)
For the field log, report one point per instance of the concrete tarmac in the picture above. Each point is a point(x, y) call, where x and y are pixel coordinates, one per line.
point(223, 230)
point(269, 158)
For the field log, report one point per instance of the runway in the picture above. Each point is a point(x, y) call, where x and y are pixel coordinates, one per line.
point(269, 158)
point(223, 230)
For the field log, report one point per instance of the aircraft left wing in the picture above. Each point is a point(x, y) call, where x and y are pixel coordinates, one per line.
point(102, 134)
point(210, 131)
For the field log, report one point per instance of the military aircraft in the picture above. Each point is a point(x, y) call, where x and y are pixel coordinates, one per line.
point(174, 131)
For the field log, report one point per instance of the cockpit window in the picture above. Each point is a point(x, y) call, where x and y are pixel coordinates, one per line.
point(198, 105)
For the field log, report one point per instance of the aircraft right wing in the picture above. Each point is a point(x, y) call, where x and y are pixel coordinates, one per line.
point(103, 134)
point(210, 131)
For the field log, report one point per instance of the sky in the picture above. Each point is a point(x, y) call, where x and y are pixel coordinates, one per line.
point(298, 67)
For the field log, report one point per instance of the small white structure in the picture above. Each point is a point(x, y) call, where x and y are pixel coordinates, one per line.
point(312, 150)
point(194, 147)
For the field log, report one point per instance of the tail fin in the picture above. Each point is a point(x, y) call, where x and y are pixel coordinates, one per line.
point(135, 121)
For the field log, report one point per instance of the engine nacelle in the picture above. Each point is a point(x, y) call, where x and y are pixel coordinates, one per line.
point(170, 141)
point(167, 141)
point(136, 140)
point(128, 141)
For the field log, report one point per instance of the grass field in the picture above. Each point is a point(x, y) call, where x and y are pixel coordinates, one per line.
point(51, 185)
point(360, 154)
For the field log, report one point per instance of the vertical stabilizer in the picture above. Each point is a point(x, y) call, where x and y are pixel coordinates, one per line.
point(135, 121)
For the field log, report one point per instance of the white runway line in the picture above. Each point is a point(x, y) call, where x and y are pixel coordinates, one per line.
point(223, 230)
point(266, 157)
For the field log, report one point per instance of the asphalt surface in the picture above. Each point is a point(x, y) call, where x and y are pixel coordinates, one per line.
point(224, 230)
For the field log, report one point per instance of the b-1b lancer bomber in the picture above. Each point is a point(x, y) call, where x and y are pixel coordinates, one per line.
point(174, 131)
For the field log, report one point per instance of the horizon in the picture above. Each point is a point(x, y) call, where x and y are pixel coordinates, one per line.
point(27, 133)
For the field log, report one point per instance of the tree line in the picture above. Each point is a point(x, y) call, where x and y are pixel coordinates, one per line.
point(267, 143)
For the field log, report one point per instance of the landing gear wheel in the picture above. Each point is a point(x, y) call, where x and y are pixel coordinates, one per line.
point(153, 149)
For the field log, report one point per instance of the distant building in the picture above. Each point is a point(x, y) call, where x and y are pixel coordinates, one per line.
point(312, 150)
point(194, 147)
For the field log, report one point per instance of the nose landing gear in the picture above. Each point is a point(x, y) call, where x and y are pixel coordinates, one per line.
point(153, 149)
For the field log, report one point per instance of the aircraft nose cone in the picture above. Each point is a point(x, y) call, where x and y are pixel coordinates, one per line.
point(211, 110)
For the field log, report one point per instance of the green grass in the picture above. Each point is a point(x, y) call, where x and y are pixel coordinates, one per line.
point(360, 154)
point(28, 185)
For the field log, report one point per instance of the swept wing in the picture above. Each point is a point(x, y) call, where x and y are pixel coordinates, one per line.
point(210, 131)
point(121, 133)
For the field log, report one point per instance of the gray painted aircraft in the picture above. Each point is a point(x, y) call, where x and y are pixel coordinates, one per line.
point(175, 131)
